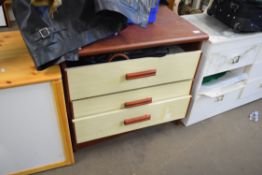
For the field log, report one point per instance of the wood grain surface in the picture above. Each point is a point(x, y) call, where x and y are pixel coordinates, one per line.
point(16, 65)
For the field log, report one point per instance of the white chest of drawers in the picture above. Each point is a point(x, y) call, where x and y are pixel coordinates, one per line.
point(239, 55)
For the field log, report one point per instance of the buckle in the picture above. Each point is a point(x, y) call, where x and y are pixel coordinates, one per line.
point(44, 32)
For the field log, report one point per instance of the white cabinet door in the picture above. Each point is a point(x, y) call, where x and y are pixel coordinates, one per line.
point(29, 129)
point(230, 56)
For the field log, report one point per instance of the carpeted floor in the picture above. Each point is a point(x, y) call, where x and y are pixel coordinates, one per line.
point(228, 144)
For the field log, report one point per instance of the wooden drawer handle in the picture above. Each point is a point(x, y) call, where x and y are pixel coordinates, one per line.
point(138, 102)
point(142, 74)
point(137, 119)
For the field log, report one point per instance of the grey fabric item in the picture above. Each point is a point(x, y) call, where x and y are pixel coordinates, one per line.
point(136, 10)
point(53, 39)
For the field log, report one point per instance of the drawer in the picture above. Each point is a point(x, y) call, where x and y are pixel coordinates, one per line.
point(130, 99)
point(111, 123)
point(256, 71)
point(223, 57)
point(94, 80)
point(253, 87)
point(209, 105)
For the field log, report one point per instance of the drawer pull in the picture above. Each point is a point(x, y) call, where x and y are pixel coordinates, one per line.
point(220, 98)
point(137, 119)
point(235, 60)
point(143, 74)
point(138, 102)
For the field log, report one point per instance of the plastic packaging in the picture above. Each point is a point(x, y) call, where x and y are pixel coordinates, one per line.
point(153, 14)
point(254, 116)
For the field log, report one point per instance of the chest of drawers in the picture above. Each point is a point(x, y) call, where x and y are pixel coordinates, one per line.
point(109, 99)
point(239, 55)
point(113, 98)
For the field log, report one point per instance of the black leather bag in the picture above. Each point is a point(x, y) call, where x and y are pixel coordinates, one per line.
point(240, 15)
point(52, 39)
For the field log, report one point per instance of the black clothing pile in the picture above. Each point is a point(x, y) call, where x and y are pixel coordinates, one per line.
point(54, 38)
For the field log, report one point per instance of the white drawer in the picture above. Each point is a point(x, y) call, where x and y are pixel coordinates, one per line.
point(94, 80)
point(130, 99)
point(253, 87)
point(111, 123)
point(209, 105)
point(222, 57)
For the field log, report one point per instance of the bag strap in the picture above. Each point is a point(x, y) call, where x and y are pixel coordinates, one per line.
point(118, 55)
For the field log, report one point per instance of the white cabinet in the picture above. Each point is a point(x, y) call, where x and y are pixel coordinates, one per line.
point(29, 128)
point(238, 56)
point(34, 133)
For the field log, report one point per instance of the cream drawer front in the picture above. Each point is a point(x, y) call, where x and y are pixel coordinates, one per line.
point(253, 87)
point(111, 123)
point(130, 99)
point(88, 81)
point(256, 71)
point(229, 56)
